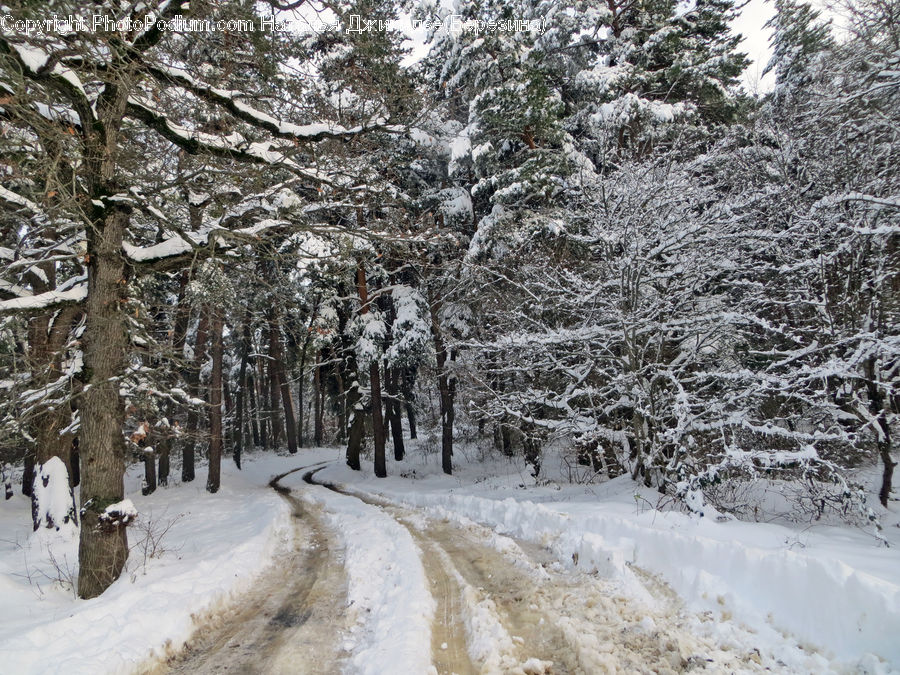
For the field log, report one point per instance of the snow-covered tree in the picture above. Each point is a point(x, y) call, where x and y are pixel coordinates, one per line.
point(109, 90)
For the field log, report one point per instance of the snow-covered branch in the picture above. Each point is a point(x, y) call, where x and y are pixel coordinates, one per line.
point(49, 299)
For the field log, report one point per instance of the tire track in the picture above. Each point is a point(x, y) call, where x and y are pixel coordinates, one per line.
point(289, 622)
point(476, 591)
point(523, 615)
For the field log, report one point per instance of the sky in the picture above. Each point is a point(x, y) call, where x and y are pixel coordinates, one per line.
point(755, 44)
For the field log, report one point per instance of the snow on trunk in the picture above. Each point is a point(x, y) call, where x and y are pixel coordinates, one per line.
point(7, 481)
point(52, 501)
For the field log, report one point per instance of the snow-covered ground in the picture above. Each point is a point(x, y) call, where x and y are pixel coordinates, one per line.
point(391, 609)
point(814, 600)
point(213, 547)
point(833, 590)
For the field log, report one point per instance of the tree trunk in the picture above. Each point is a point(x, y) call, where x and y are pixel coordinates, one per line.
point(882, 430)
point(446, 387)
point(215, 403)
point(357, 425)
point(277, 364)
point(149, 486)
point(28, 473)
point(262, 416)
point(49, 442)
point(377, 420)
point(273, 393)
point(343, 404)
point(300, 403)
point(188, 472)
point(48, 335)
point(374, 381)
point(242, 385)
point(318, 415)
point(253, 410)
point(227, 410)
point(506, 440)
point(393, 414)
point(304, 350)
point(179, 337)
point(446, 390)
point(164, 444)
point(103, 548)
point(407, 382)
point(75, 462)
point(531, 448)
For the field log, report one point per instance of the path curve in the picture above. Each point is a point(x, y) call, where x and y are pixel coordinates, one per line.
point(506, 607)
point(288, 622)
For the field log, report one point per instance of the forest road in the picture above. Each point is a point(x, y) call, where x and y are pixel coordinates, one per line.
point(287, 623)
point(505, 606)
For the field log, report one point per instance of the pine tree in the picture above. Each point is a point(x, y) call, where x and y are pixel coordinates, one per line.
point(799, 38)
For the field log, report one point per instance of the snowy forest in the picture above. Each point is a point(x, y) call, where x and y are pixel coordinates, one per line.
point(558, 234)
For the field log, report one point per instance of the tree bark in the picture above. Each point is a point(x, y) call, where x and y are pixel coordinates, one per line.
point(188, 472)
point(149, 486)
point(103, 548)
point(75, 461)
point(48, 335)
point(531, 448)
point(28, 473)
point(407, 382)
point(882, 430)
point(164, 444)
point(215, 403)
point(377, 420)
point(393, 415)
point(374, 381)
point(273, 393)
point(446, 390)
point(253, 411)
point(357, 424)
point(277, 367)
point(506, 440)
point(343, 404)
point(318, 414)
point(227, 410)
point(240, 404)
point(262, 414)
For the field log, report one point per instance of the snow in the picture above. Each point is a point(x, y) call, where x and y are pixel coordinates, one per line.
point(824, 599)
point(410, 331)
point(460, 148)
point(33, 57)
point(388, 591)
point(300, 131)
point(13, 198)
point(14, 289)
point(832, 588)
point(75, 294)
point(121, 513)
point(164, 249)
point(56, 508)
point(214, 548)
point(186, 242)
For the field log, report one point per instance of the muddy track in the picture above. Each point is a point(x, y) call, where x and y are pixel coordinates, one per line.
point(540, 619)
point(288, 622)
point(477, 592)
point(502, 607)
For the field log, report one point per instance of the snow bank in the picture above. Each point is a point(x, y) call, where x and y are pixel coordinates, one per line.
point(829, 590)
point(819, 600)
point(387, 588)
